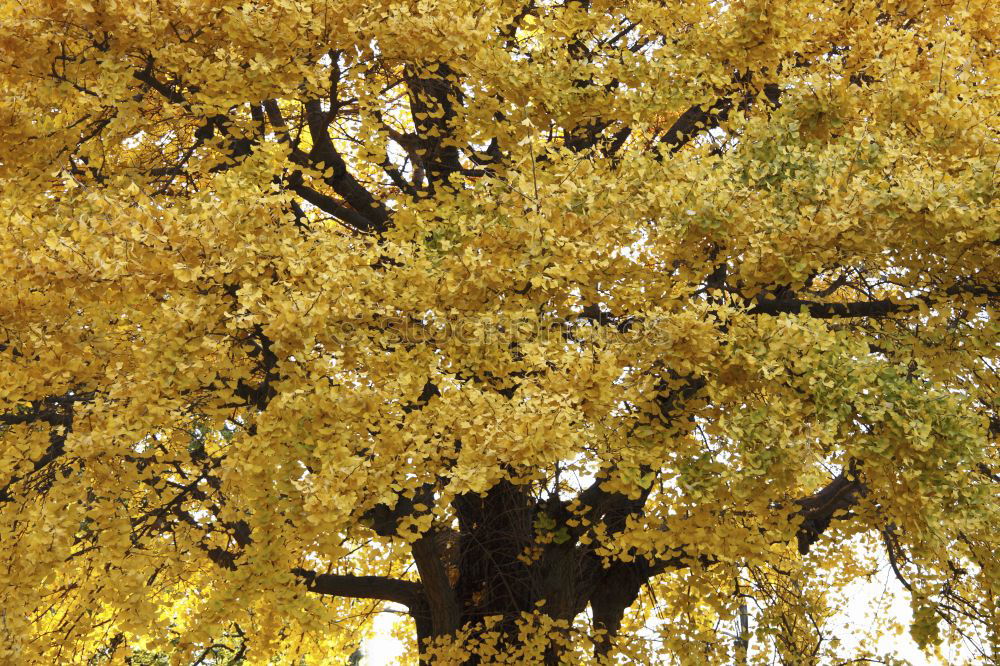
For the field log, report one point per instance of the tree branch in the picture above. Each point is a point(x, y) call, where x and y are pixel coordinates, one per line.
point(374, 213)
point(820, 310)
point(818, 509)
point(407, 593)
point(442, 602)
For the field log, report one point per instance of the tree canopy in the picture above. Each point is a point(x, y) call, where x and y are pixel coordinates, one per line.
point(579, 331)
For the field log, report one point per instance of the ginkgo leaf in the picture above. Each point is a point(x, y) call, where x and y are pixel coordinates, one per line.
point(576, 332)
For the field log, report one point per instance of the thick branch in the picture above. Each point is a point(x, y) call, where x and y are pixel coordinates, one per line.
point(616, 591)
point(699, 119)
point(341, 180)
point(818, 509)
point(442, 602)
point(877, 308)
point(403, 592)
point(57, 413)
point(433, 102)
point(329, 205)
point(820, 310)
point(407, 593)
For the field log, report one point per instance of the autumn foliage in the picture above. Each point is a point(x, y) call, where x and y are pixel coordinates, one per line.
point(578, 332)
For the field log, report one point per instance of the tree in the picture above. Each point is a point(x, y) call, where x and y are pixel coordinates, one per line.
point(580, 331)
